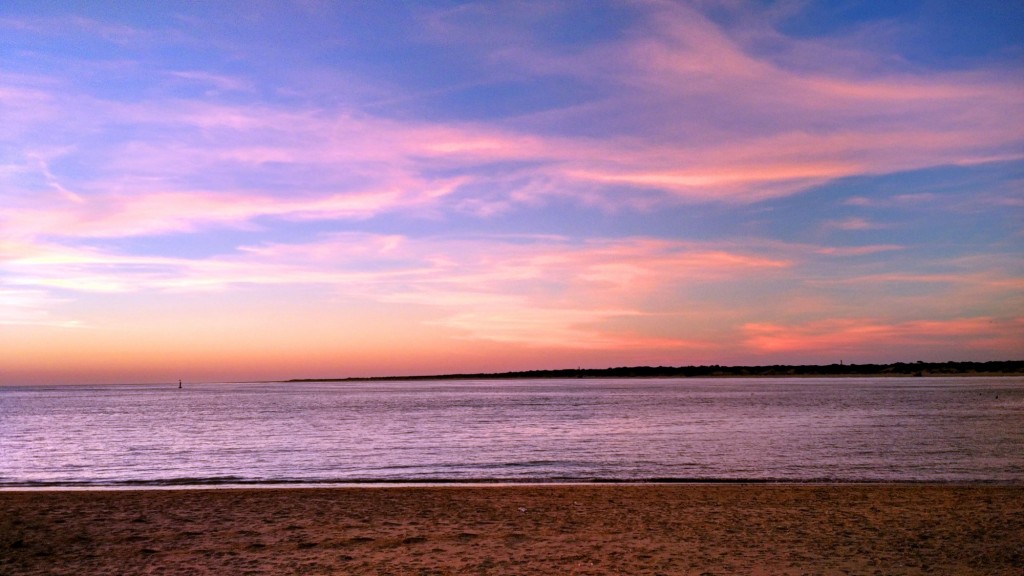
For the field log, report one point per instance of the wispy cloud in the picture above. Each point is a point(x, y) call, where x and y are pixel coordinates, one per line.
point(898, 200)
point(527, 290)
point(850, 224)
point(764, 131)
point(858, 250)
point(873, 337)
point(31, 307)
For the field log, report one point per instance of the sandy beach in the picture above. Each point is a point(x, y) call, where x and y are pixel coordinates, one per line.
point(540, 529)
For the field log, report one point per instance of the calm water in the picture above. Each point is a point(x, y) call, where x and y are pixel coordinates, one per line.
point(937, 429)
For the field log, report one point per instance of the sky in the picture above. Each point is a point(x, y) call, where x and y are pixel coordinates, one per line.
point(302, 189)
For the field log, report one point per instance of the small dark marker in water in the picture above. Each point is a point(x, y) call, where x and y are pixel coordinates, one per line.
point(179, 384)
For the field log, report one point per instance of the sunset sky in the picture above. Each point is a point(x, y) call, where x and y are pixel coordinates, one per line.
point(261, 190)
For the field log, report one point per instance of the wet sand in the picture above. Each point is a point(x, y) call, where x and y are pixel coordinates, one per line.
point(546, 529)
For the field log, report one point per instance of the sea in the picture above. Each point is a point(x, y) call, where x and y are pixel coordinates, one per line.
point(956, 429)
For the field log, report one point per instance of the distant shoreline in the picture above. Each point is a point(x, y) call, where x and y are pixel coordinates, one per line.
point(898, 369)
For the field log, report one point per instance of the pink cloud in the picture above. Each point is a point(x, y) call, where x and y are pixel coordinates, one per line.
point(852, 224)
point(803, 126)
point(625, 296)
point(533, 291)
point(874, 337)
point(30, 307)
point(148, 212)
point(858, 250)
point(899, 200)
point(217, 82)
point(551, 328)
point(873, 126)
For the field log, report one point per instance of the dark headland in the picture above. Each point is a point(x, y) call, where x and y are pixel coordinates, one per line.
point(994, 368)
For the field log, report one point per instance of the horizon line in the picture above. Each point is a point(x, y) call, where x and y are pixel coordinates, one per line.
point(918, 367)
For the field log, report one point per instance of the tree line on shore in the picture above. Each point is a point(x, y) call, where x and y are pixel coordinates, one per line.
point(1002, 367)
